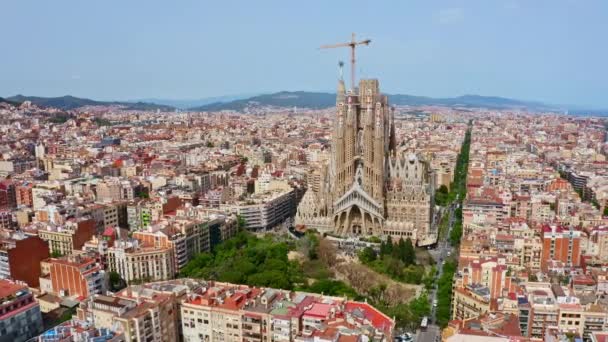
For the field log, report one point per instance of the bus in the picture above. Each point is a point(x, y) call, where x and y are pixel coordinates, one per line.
point(424, 324)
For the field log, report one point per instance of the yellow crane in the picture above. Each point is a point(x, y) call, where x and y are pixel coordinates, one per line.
point(352, 45)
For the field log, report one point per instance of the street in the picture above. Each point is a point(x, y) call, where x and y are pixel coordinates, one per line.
point(430, 335)
point(440, 253)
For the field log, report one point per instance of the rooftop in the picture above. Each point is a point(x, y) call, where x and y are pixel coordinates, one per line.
point(9, 288)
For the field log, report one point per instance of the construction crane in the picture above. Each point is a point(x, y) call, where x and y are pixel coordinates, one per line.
point(352, 45)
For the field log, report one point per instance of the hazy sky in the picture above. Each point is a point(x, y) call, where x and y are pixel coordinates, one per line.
point(549, 50)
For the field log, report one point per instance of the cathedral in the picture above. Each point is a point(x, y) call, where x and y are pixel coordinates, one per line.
point(369, 187)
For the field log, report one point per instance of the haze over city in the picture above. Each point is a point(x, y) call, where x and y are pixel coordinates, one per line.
point(353, 171)
point(549, 51)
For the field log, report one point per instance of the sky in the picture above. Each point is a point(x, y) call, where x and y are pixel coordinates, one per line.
point(553, 51)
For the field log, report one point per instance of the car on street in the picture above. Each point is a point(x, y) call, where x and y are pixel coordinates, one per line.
point(406, 337)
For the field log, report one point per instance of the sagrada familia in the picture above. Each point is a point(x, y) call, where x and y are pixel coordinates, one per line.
point(369, 187)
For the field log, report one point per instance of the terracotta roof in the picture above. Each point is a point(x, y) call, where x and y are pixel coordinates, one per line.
point(8, 288)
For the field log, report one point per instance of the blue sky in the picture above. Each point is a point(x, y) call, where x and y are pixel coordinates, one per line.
point(548, 50)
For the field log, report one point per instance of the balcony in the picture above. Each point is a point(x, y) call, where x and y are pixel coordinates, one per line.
point(251, 328)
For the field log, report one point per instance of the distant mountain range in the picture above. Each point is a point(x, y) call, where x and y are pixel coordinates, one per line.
point(325, 100)
point(70, 102)
point(192, 103)
point(300, 99)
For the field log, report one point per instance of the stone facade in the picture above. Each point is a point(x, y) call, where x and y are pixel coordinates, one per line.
point(369, 187)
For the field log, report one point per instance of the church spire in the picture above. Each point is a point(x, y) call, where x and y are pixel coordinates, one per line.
point(341, 91)
point(392, 144)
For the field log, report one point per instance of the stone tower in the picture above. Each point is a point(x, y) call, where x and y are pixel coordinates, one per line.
point(370, 188)
point(361, 146)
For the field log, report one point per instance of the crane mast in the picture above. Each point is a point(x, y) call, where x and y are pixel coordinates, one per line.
point(352, 45)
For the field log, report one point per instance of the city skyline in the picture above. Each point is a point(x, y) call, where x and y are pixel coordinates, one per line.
point(450, 183)
point(545, 51)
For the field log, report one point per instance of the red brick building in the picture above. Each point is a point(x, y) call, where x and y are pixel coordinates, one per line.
point(560, 244)
point(23, 194)
point(558, 184)
point(20, 257)
point(76, 276)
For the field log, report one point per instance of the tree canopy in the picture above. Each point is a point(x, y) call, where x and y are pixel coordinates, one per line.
point(247, 259)
point(395, 260)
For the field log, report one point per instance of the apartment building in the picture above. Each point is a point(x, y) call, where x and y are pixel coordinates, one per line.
point(43, 191)
point(560, 244)
point(187, 238)
point(20, 257)
point(7, 219)
point(599, 238)
point(8, 196)
point(489, 272)
point(471, 301)
point(265, 211)
point(490, 327)
point(595, 319)
point(571, 318)
point(76, 275)
point(228, 312)
point(24, 195)
point(140, 214)
point(140, 314)
point(108, 190)
point(483, 210)
point(64, 239)
point(115, 189)
point(20, 317)
point(529, 251)
point(75, 330)
point(16, 166)
point(137, 262)
point(106, 215)
point(541, 309)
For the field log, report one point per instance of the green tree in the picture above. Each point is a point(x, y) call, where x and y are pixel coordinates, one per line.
point(441, 196)
point(456, 233)
point(444, 293)
point(386, 248)
point(116, 282)
point(247, 259)
point(606, 210)
point(270, 278)
point(399, 250)
point(413, 274)
point(409, 252)
point(367, 255)
point(309, 245)
point(332, 288)
point(420, 306)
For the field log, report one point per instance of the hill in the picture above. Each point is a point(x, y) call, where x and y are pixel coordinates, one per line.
point(281, 99)
point(478, 101)
point(70, 102)
point(191, 103)
point(317, 100)
point(14, 103)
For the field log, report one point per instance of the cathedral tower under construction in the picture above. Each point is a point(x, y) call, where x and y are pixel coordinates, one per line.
point(369, 188)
